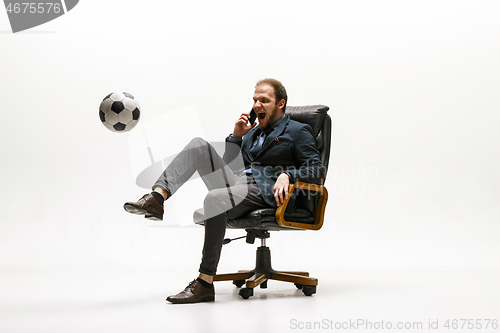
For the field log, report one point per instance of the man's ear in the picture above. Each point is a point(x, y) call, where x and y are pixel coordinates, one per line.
point(281, 105)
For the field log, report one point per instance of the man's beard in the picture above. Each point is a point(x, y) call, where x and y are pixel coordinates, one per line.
point(272, 118)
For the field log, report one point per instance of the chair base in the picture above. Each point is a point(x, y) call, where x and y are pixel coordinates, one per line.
point(263, 272)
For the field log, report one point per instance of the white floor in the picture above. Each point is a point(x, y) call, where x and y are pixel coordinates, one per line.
point(123, 300)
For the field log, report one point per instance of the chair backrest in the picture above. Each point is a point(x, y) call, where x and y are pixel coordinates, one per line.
point(317, 117)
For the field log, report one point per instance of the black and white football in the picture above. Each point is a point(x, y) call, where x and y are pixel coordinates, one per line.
point(119, 112)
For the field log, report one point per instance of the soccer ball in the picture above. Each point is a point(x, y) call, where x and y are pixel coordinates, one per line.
point(119, 112)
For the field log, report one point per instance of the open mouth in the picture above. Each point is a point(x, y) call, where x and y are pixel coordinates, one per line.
point(262, 115)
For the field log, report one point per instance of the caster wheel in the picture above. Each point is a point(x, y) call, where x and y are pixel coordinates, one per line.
point(263, 285)
point(246, 292)
point(309, 290)
point(238, 283)
point(299, 286)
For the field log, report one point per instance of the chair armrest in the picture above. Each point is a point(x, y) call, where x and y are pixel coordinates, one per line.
point(320, 210)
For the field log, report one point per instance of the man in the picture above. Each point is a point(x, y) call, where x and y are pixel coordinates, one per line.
point(278, 152)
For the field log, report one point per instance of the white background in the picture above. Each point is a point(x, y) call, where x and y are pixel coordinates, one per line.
point(413, 90)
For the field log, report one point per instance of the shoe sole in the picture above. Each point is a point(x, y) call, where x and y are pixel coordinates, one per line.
point(139, 211)
point(154, 217)
point(206, 299)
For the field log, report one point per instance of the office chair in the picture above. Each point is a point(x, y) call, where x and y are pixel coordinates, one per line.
point(308, 216)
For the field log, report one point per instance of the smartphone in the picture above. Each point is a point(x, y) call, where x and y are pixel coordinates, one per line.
point(253, 116)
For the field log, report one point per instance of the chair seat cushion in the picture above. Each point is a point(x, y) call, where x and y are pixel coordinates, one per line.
point(263, 219)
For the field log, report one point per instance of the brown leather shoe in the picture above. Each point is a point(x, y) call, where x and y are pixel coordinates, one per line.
point(195, 292)
point(148, 206)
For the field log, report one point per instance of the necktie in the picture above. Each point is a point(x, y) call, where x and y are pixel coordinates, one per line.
point(258, 144)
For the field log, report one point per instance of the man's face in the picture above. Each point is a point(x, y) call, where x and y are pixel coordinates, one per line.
point(264, 104)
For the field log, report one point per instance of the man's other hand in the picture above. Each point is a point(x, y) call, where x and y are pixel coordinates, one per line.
point(241, 127)
point(281, 189)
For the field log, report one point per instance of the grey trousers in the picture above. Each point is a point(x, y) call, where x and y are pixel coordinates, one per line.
point(229, 196)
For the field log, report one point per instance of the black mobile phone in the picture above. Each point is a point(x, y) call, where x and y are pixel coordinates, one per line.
point(253, 116)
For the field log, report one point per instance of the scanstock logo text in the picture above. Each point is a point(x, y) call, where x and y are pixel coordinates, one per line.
point(26, 14)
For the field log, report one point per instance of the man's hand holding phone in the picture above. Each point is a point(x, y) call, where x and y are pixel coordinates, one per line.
point(244, 123)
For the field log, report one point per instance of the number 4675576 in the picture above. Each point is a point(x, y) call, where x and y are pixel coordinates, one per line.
point(33, 8)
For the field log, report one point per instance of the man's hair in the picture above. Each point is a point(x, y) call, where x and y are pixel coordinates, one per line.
point(279, 90)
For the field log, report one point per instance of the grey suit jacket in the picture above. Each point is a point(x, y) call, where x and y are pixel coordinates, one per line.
point(289, 147)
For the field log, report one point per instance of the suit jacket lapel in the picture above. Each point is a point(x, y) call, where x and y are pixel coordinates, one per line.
point(247, 144)
point(275, 133)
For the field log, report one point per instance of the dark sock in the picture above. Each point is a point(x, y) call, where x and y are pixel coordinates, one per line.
point(204, 283)
point(158, 197)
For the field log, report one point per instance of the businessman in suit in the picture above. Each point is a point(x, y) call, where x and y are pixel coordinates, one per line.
point(277, 152)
